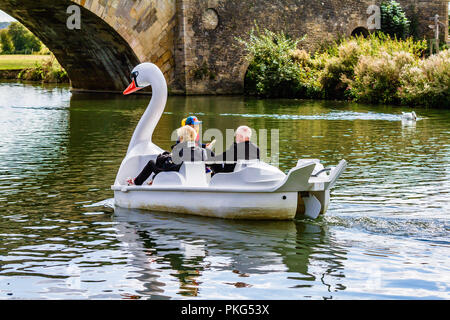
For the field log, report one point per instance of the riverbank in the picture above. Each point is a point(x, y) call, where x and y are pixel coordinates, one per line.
point(21, 61)
point(42, 68)
point(376, 69)
point(9, 74)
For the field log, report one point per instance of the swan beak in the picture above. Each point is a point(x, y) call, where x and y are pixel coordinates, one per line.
point(131, 88)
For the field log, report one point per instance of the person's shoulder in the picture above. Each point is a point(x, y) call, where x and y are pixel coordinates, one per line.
point(251, 144)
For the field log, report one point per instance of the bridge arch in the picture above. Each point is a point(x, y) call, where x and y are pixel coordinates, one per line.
point(113, 38)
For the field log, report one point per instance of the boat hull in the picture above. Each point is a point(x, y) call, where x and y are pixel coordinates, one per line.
point(226, 205)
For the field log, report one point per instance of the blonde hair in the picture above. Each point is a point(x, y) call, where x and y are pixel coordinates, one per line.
point(187, 133)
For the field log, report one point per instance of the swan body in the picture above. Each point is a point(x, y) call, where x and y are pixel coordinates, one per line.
point(255, 190)
point(409, 116)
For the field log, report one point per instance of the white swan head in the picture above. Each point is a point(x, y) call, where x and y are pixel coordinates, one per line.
point(143, 75)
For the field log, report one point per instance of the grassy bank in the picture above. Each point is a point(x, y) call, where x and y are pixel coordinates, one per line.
point(20, 61)
point(376, 69)
point(42, 68)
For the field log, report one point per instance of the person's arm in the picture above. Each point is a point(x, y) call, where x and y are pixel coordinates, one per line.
point(223, 157)
point(178, 141)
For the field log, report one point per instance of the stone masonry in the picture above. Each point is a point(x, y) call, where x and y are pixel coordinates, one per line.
point(192, 41)
point(218, 55)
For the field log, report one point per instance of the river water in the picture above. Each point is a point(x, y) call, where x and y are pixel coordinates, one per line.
point(385, 236)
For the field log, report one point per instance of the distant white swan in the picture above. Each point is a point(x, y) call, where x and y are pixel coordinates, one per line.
point(409, 116)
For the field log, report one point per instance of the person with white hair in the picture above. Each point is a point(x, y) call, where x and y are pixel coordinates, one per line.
point(242, 149)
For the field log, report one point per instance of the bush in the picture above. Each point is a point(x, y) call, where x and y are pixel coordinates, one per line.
point(376, 69)
point(274, 69)
point(427, 83)
point(377, 78)
point(48, 72)
point(393, 20)
point(337, 68)
point(342, 57)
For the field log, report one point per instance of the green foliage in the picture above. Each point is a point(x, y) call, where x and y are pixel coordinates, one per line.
point(377, 78)
point(7, 46)
point(24, 41)
point(273, 71)
point(414, 24)
point(393, 20)
point(376, 69)
point(428, 82)
point(341, 59)
point(338, 66)
point(48, 72)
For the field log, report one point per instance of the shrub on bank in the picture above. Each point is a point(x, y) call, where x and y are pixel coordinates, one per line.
point(342, 58)
point(339, 65)
point(377, 78)
point(6, 44)
point(428, 82)
point(276, 68)
point(376, 69)
point(48, 72)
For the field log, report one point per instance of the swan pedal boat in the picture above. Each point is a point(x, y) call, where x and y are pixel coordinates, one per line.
point(254, 191)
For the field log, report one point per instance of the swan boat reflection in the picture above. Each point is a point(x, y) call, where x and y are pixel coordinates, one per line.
point(192, 249)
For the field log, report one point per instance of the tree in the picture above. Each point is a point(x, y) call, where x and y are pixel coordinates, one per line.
point(33, 44)
point(17, 32)
point(24, 41)
point(6, 43)
point(393, 20)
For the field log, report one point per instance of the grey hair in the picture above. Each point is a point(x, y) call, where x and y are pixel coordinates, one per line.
point(244, 131)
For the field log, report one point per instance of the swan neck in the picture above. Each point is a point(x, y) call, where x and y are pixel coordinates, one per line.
point(142, 137)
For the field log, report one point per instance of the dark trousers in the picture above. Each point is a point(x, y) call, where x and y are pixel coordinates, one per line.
point(145, 173)
point(162, 163)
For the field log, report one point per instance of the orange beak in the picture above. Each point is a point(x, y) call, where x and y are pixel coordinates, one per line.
point(131, 88)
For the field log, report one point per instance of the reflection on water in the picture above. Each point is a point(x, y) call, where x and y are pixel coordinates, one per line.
point(385, 235)
point(210, 258)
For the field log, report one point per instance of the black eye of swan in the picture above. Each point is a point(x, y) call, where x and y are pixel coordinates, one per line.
point(134, 76)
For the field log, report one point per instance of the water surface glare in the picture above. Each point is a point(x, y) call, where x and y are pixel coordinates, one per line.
point(385, 236)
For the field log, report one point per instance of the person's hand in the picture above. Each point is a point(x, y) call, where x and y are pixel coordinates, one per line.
point(211, 145)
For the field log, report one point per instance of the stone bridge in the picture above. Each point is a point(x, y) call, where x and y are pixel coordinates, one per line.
point(192, 41)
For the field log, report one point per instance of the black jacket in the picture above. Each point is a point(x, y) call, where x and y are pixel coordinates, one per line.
point(238, 151)
point(186, 152)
